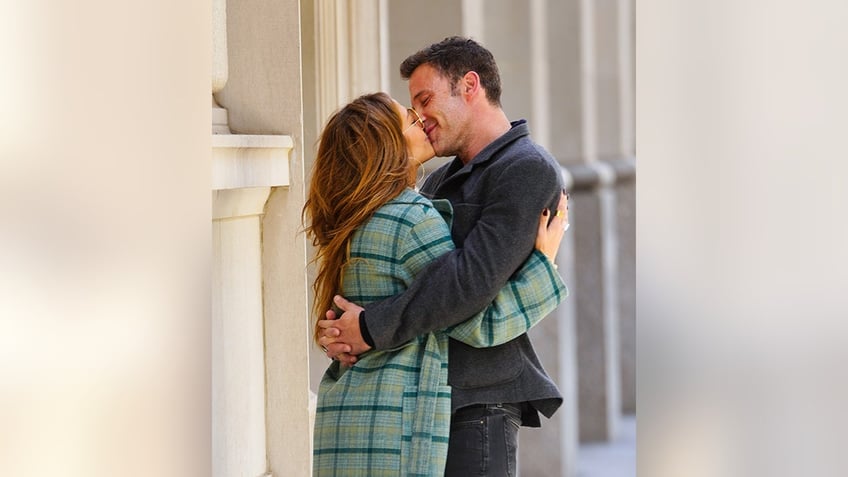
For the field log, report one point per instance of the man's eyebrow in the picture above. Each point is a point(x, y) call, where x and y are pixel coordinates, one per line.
point(419, 94)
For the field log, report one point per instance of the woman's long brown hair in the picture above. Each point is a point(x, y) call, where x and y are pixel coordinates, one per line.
point(361, 165)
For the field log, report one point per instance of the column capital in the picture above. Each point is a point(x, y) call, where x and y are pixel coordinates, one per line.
point(601, 173)
point(244, 168)
point(250, 160)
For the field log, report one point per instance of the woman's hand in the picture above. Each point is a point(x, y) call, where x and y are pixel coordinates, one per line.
point(550, 234)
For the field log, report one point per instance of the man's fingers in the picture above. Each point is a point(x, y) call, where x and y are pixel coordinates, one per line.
point(328, 335)
point(324, 341)
point(346, 359)
point(327, 324)
point(341, 302)
point(331, 315)
point(334, 350)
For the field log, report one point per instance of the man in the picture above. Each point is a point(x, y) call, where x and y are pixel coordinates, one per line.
point(497, 184)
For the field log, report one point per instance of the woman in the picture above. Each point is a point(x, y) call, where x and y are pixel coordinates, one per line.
point(389, 414)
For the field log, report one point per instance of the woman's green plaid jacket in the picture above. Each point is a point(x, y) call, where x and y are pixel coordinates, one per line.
point(389, 414)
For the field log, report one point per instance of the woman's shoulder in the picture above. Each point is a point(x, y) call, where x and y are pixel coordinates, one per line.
point(410, 197)
point(409, 207)
point(399, 216)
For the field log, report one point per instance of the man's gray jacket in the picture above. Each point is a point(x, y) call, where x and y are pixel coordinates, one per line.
point(497, 198)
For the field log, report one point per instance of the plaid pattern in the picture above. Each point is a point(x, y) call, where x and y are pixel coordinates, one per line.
point(389, 414)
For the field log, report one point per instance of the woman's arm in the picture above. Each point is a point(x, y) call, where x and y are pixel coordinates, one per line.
point(531, 294)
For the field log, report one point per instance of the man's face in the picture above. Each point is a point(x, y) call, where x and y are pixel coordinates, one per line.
point(445, 116)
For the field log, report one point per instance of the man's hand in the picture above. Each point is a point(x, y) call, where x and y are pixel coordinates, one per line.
point(341, 337)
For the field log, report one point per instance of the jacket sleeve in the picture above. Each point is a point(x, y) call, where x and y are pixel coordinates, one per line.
point(530, 295)
point(460, 283)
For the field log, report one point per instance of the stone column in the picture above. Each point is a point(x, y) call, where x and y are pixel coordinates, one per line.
point(412, 28)
point(368, 46)
point(552, 449)
point(244, 168)
point(238, 370)
point(593, 215)
point(575, 142)
point(264, 102)
point(350, 51)
point(627, 209)
point(625, 216)
point(615, 147)
point(508, 32)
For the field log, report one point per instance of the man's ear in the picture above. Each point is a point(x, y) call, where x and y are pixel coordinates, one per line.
point(470, 84)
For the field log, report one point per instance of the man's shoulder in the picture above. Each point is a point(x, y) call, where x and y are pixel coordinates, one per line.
point(526, 158)
point(518, 144)
point(525, 149)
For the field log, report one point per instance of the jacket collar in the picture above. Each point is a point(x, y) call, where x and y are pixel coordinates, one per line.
point(442, 206)
point(518, 130)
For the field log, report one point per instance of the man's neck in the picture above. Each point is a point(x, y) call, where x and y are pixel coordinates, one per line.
point(489, 126)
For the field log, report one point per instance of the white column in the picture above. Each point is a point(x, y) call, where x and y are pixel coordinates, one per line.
point(244, 168)
point(473, 20)
point(626, 192)
point(540, 116)
point(611, 334)
point(367, 47)
point(331, 62)
point(588, 105)
point(565, 94)
point(351, 47)
point(613, 78)
point(626, 76)
point(412, 27)
point(593, 217)
point(513, 39)
point(238, 371)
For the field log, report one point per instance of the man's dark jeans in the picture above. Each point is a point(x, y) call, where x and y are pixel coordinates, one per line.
point(483, 441)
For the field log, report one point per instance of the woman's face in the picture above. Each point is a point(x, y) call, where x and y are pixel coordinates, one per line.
point(418, 146)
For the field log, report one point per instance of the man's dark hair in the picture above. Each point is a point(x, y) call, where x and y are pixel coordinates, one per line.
point(453, 57)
